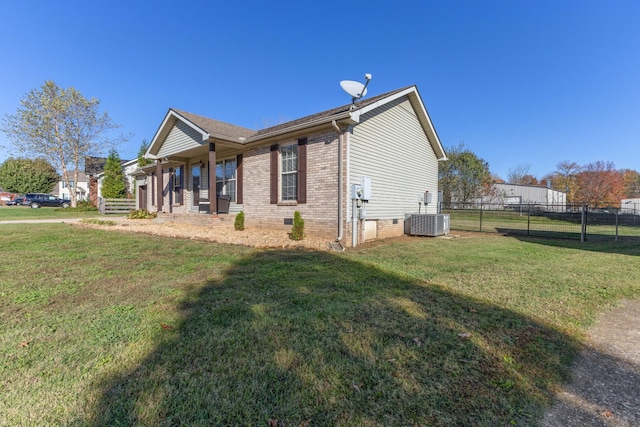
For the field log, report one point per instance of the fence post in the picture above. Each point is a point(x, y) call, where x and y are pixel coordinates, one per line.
point(528, 219)
point(583, 224)
point(480, 216)
point(617, 210)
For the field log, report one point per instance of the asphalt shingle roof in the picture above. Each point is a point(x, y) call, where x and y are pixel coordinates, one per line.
point(216, 127)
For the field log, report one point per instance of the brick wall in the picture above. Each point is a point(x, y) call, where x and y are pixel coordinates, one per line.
point(321, 210)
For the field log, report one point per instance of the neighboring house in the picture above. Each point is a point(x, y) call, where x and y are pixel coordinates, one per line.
point(82, 187)
point(129, 167)
point(516, 194)
point(307, 165)
point(94, 168)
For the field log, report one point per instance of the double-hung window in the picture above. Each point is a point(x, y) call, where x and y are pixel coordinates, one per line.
point(289, 172)
point(226, 178)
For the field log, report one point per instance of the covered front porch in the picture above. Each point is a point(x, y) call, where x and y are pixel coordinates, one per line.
point(195, 172)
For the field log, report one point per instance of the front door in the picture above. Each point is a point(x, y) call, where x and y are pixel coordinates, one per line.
point(142, 197)
point(195, 177)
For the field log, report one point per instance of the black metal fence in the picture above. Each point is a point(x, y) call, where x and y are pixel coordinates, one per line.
point(557, 221)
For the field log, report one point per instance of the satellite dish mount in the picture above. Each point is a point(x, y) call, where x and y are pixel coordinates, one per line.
point(356, 89)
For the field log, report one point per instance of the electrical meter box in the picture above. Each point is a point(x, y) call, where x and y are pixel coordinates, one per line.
point(366, 188)
point(427, 198)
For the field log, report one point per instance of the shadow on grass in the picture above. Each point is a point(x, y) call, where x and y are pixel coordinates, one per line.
point(625, 245)
point(309, 336)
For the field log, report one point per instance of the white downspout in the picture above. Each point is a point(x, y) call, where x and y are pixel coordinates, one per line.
point(340, 190)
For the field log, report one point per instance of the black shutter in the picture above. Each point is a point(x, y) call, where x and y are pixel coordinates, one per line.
point(274, 175)
point(302, 170)
point(239, 179)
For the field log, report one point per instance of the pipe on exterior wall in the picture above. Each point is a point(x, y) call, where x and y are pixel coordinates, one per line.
point(340, 189)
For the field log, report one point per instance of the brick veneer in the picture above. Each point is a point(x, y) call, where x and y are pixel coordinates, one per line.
point(321, 209)
point(320, 212)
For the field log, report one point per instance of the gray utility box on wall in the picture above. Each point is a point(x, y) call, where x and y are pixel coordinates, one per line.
point(426, 224)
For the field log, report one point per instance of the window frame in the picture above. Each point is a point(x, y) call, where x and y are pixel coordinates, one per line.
point(226, 180)
point(288, 178)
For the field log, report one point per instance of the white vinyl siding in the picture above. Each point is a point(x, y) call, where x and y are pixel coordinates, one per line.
point(390, 146)
point(181, 137)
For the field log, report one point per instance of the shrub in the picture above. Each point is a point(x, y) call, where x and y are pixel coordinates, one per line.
point(297, 229)
point(82, 206)
point(239, 223)
point(141, 214)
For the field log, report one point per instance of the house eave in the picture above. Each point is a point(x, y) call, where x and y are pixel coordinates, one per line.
point(348, 117)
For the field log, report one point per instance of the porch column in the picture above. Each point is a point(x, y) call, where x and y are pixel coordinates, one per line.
point(160, 185)
point(213, 200)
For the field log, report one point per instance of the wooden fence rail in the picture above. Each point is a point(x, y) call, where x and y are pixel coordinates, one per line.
point(116, 206)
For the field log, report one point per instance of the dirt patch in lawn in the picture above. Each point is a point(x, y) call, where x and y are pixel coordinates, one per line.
point(223, 232)
point(605, 380)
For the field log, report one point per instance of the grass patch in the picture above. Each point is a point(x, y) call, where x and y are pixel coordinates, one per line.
point(12, 213)
point(98, 221)
point(106, 328)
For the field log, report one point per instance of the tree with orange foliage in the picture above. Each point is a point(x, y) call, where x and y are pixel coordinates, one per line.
point(599, 184)
point(631, 179)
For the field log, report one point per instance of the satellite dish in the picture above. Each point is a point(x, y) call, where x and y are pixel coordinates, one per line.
point(356, 89)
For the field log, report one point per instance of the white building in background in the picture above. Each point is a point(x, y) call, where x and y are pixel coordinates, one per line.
point(516, 194)
point(630, 206)
point(82, 187)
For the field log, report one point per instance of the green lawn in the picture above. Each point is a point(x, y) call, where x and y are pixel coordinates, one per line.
point(107, 328)
point(12, 213)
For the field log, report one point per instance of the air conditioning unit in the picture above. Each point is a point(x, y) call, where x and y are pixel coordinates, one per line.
point(426, 224)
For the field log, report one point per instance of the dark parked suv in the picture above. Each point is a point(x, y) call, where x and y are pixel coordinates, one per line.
point(36, 200)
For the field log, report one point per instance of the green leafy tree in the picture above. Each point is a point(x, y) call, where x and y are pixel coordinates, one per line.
point(464, 176)
point(114, 185)
point(61, 126)
point(143, 161)
point(27, 176)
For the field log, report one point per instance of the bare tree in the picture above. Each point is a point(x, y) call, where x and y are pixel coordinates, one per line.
point(519, 174)
point(566, 172)
point(61, 126)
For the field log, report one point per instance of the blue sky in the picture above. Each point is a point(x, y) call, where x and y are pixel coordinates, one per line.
point(519, 82)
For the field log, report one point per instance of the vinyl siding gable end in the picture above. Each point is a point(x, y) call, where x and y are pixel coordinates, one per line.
point(390, 146)
point(180, 138)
